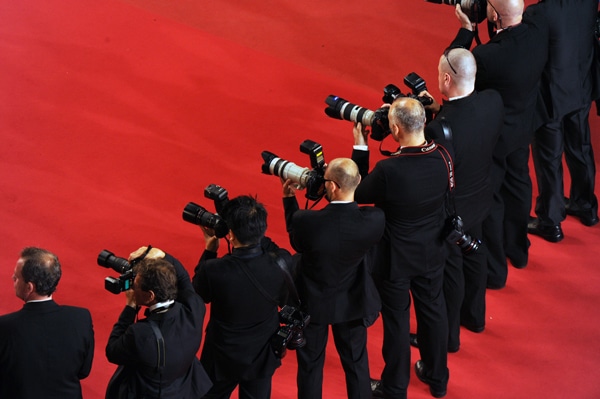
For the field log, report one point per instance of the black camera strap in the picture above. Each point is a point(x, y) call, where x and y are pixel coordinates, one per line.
point(161, 351)
point(286, 275)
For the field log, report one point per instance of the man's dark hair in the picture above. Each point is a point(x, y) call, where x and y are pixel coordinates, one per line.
point(158, 276)
point(42, 268)
point(247, 218)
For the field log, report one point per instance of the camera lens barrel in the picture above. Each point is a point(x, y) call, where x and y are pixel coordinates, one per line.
point(109, 260)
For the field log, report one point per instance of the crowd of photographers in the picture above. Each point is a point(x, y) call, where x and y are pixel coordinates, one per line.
point(442, 214)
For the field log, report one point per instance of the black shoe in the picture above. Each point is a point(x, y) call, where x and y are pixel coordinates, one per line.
point(413, 340)
point(475, 329)
point(436, 390)
point(377, 389)
point(587, 217)
point(548, 233)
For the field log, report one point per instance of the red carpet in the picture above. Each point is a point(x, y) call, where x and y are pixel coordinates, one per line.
point(115, 114)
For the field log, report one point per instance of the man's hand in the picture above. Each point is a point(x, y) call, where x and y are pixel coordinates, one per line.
point(464, 20)
point(154, 253)
point(289, 188)
point(211, 241)
point(434, 106)
point(130, 298)
point(361, 134)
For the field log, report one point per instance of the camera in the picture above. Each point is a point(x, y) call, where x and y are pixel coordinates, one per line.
point(219, 196)
point(454, 233)
point(120, 265)
point(290, 335)
point(338, 108)
point(378, 120)
point(198, 215)
point(475, 9)
point(313, 180)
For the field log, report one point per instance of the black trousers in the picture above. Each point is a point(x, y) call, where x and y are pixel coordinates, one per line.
point(350, 340)
point(505, 228)
point(465, 279)
point(570, 135)
point(432, 329)
point(251, 389)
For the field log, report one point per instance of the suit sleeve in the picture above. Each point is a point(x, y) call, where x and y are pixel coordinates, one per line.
point(291, 208)
point(186, 295)
point(200, 280)
point(121, 343)
point(361, 158)
point(86, 366)
point(464, 39)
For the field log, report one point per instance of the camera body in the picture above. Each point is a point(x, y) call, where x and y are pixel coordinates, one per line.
point(290, 335)
point(454, 233)
point(313, 180)
point(475, 9)
point(198, 215)
point(378, 120)
point(120, 265)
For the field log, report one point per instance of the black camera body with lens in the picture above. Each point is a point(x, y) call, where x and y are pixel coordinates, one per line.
point(455, 234)
point(289, 335)
point(198, 215)
point(476, 10)
point(120, 265)
point(311, 179)
point(378, 120)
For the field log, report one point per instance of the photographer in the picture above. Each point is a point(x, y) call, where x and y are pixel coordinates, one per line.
point(173, 371)
point(469, 121)
point(244, 289)
point(568, 86)
point(334, 280)
point(45, 348)
point(410, 187)
point(511, 63)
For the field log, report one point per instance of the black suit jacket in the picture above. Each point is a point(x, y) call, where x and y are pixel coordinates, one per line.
point(334, 280)
point(134, 345)
point(475, 122)
point(242, 319)
point(512, 63)
point(45, 349)
point(411, 189)
point(567, 80)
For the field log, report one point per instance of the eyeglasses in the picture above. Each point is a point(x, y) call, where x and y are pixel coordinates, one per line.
point(446, 53)
point(494, 8)
point(333, 181)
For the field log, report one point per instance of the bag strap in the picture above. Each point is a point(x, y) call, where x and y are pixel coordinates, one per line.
point(161, 359)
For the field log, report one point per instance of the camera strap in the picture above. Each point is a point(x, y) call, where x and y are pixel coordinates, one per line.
point(161, 358)
point(449, 164)
point(286, 275)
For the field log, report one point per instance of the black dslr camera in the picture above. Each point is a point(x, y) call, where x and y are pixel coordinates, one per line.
point(198, 215)
point(475, 9)
point(313, 180)
point(290, 335)
point(454, 233)
point(378, 120)
point(120, 265)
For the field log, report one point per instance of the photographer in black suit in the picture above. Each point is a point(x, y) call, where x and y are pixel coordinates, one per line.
point(469, 122)
point(244, 289)
point(334, 280)
point(45, 348)
point(170, 370)
point(564, 107)
point(411, 188)
point(511, 63)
